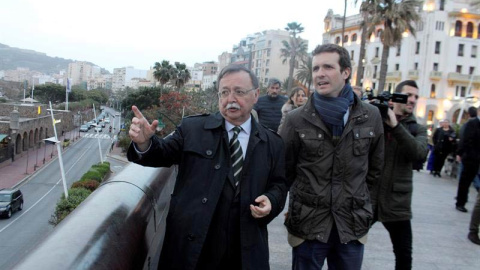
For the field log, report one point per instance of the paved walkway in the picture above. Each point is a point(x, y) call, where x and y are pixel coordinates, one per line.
point(439, 231)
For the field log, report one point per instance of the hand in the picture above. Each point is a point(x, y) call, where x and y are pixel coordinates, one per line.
point(263, 209)
point(392, 119)
point(140, 130)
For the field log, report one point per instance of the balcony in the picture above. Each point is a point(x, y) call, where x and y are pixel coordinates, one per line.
point(454, 77)
point(413, 74)
point(435, 75)
point(394, 75)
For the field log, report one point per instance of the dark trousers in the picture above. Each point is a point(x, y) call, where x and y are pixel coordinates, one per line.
point(401, 236)
point(439, 161)
point(311, 254)
point(469, 172)
point(475, 221)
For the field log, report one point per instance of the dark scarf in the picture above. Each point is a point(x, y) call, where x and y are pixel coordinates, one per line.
point(333, 109)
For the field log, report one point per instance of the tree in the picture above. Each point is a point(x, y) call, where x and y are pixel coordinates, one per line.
point(292, 49)
point(50, 92)
point(182, 75)
point(343, 22)
point(366, 11)
point(304, 73)
point(163, 72)
point(396, 17)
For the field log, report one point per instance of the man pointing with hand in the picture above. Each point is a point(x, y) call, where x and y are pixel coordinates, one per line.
point(230, 182)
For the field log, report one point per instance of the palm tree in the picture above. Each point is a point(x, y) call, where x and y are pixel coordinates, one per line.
point(304, 73)
point(343, 22)
point(182, 75)
point(396, 17)
point(295, 47)
point(163, 72)
point(365, 10)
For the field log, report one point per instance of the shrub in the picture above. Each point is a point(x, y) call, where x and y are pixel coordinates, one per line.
point(65, 206)
point(92, 174)
point(124, 142)
point(86, 184)
point(103, 168)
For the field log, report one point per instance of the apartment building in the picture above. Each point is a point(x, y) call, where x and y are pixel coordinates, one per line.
point(443, 58)
point(122, 77)
point(80, 72)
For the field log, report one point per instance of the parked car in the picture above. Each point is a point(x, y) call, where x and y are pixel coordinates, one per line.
point(84, 128)
point(103, 124)
point(11, 200)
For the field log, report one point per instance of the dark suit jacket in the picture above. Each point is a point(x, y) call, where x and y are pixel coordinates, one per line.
point(469, 146)
point(199, 147)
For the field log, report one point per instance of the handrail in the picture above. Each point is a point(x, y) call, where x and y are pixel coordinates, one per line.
point(121, 225)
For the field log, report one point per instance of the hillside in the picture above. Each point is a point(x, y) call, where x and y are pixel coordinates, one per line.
point(12, 58)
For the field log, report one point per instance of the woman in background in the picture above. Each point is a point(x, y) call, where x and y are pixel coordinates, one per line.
point(297, 98)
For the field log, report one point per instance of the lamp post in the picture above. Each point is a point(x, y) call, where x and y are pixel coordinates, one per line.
point(161, 125)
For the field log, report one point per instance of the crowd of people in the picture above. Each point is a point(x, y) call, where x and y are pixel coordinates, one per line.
point(343, 165)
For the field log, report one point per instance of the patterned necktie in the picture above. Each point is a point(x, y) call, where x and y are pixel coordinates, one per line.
point(236, 155)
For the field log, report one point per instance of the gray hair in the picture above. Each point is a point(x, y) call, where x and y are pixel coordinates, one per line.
point(233, 68)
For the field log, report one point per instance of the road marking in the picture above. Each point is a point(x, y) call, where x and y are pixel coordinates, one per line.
point(48, 192)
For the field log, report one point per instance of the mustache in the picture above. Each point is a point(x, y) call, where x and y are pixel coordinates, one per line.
point(232, 106)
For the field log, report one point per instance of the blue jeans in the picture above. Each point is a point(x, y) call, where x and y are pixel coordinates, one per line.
point(311, 254)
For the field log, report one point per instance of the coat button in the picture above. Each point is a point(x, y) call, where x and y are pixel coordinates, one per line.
point(313, 114)
point(356, 135)
point(302, 135)
point(371, 133)
point(320, 136)
point(191, 237)
point(209, 152)
point(217, 166)
point(204, 200)
point(366, 115)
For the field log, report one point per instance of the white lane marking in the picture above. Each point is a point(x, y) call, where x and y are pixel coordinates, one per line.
point(48, 192)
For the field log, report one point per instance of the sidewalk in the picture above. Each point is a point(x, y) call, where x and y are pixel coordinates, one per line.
point(439, 232)
point(13, 174)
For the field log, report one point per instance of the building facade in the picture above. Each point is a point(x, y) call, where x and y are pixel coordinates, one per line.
point(122, 77)
point(442, 58)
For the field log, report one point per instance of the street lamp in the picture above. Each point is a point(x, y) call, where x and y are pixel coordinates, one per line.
point(161, 125)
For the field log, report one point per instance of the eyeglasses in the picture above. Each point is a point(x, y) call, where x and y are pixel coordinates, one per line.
point(237, 93)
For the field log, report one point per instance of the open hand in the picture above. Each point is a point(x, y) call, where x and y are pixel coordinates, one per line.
point(263, 209)
point(141, 130)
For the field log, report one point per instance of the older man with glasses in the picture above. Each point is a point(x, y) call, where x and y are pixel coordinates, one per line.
point(230, 184)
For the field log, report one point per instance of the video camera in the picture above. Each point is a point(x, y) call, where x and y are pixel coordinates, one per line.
point(381, 101)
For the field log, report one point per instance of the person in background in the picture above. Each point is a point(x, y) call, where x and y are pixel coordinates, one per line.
point(468, 153)
point(472, 112)
point(443, 144)
point(230, 182)
point(296, 99)
point(269, 107)
point(334, 159)
point(405, 144)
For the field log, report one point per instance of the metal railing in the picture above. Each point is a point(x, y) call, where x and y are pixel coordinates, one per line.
point(119, 226)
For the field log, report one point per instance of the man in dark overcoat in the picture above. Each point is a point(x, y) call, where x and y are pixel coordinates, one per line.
point(230, 184)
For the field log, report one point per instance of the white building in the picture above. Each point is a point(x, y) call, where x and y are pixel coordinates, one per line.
point(122, 77)
point(443, 58)
point(81, 72)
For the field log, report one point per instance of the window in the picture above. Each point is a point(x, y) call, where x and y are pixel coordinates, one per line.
point(471, 70)
point(267, 71)
point(458, 69)
point(377, 50)
point(442, 5)
point(268, 52)
point(437, 47)
point(474, 51)
point(374, 85)
point(460, 49)
point(267, 63)
point(397, 67)
point(439, 25)
point(458, 28)
point(417, 49)
point(337, 40)
point(415, 66)
point(478, 33)
point(460, 91)
point(432, 91)
point(470, 29)
point(399, 48)
point(354, 37)
point(375, 72)
point(345, 39)
point(352, 54)
point(435, 66)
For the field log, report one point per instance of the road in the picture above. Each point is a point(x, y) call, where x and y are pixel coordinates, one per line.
point(22, 232)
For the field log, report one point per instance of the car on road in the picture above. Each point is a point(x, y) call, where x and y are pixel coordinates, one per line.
point(84, 128)
point(103, 124)
point(107, 120)
point(98, 128)
point(11, 200)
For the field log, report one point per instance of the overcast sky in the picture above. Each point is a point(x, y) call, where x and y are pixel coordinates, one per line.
point(139, 33)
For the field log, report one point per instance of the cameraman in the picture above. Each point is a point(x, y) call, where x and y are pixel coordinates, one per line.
point(405, 143)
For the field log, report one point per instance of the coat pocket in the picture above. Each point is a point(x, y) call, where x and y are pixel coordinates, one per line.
point(362, 137)
point(401, 197)
point(362, 214)
point(312, 141)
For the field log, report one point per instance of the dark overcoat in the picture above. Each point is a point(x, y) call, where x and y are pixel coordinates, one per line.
point(199, 146)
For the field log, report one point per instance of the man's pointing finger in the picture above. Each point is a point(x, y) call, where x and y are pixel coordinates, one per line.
point(137, 112)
